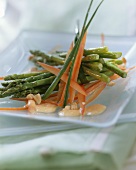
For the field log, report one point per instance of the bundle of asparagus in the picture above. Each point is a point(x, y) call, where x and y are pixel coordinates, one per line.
point(20, 85)
point(97, 64)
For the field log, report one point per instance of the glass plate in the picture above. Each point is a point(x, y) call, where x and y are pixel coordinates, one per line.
point(15, 60)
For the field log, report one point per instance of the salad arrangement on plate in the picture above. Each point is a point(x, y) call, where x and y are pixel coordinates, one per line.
point(67, 79)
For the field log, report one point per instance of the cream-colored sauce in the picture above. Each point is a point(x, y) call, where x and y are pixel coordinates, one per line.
point(95, 109)
point(68, 112)
point(90, 110)
point(46, 108)
point(111, 83)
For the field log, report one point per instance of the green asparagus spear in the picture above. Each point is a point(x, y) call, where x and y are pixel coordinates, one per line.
point(115, 69)
point(98, 50)
point(57, 59)
point(90, 78)
point(37, 59)
point(96, 75)
point(20, 76)
point(28, 85)
point(47, 57)
point(61, 54)
point(103, 52)
point(29, 79)
point(81, 77)
point(39, 53)
point(96, 66)
point(87, 78)
point(118, 62)
point(91, 57)
point(40, 89)
point(104, 69)
point(2, 89)
point(108, 73)
point(112, 55)
point(24, 93)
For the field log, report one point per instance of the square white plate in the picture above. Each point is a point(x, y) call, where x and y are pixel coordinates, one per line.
point(15, 60)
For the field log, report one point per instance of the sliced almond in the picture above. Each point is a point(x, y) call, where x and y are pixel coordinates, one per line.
point(31, 106)
point(30, 96)
point(37, 98)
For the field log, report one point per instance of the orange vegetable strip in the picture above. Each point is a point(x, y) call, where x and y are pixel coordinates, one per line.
point(124, 60)
point(62, 83)
point(50, 100)
point(81, 100)
point(88, 85)
point(114, 77)
point(131, 68)
point(1, 78)
point(102, 39)
point(54, 98)
point(64, 77)
point(92, 88)
point(62, 101)
point(14, 108)
point(122, 67)
point(78, 60)
point(61, 89)
point(62, 97)
point(69, 51)
point(77, 65)
point(96, 93)
point(19, 99)
point(53, 94)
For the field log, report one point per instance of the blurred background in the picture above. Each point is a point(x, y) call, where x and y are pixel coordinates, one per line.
point(115, 17)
